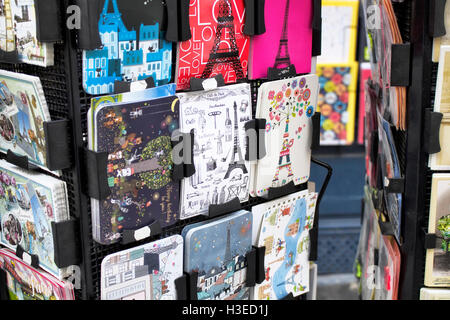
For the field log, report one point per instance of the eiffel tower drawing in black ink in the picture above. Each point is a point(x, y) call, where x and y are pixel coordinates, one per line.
point(283, 59)
point(236, 149)
point(225, 20)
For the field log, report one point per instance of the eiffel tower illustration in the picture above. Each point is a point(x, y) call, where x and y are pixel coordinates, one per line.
point(283, 59)
point(285, 154)
point(236, 149)
point(225, 20)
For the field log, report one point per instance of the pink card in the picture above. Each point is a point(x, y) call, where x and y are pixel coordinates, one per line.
point(289, 20)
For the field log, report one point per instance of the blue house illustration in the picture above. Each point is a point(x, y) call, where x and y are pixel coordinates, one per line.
point(124, 56)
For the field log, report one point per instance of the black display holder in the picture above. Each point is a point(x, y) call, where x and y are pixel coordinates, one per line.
point(125, 86)
point(178, 27)
point(436, 26)
point(66, 99)
point(48, 20)
point(254, 17)
point(255, 130)
point(400, 64)
point(317, 28)
point(66, 244)
point(30, 259)
point(432, 125)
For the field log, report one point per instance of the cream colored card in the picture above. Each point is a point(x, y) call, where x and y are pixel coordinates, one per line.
point(445, 39)
point(437, 271)
point(434, 294)
point(288, 106)
point(441, 160)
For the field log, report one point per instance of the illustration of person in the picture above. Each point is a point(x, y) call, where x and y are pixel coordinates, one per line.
point(31, 235)
point(286, 150)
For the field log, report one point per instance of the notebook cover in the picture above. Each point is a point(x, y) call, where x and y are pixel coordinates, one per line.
point(217, 252)
point(218, 118)
point(142, 95)
point(146, 272)
point(137, 137)
point(289, 20)
point(27, 283)
point(437, 272)
point(28, 206)
point(337, 101)
point(29, 49)
point(285, 234)
point(288, 106)
point(215, 47)
point(390, 168)
point(339, 31)
point(23, 110)
point(441, 160)
point(134, 46)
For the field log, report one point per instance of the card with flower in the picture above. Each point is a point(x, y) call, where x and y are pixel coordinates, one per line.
point(288, 106)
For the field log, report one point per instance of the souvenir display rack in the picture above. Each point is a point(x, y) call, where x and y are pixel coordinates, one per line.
point(415, 20)
point(66, 98)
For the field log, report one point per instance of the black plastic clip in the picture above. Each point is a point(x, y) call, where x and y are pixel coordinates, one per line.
point(431, 241)
point(377, 199)
point(394, 185)
point(216, 210)
point(19, 161)
point(183, 148)
point(4, 294)
point(317, 29)
point(278, 192)
point(96, 174)
point(254, 17)
point(178, 27)
point(30, 259)
point(65, 243)
point(255, 266)
point(374, 146)
point(130, 236)
point(315, 141)
point(277, 74)
point(255, 130)
point(432, 126)
point(386, 227)
point(400, 64)
point(187, 286)
point(58, 144)
point(10, 57)
point(290, 296)
point(376, 256)
point(198, 84)
point(48, 20)
point(88, 33)
point(125, 86)
point(181, 287)
point(436, 27)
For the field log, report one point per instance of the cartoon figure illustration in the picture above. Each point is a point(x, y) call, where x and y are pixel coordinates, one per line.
point(279, 245)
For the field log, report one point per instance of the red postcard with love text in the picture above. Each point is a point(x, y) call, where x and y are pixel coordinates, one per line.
point(218, 44)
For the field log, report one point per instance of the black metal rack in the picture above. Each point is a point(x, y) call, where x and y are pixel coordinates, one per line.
point(66, 99)
point(413, 17)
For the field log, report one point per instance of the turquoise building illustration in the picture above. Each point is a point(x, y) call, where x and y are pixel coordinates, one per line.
point(126, 55)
